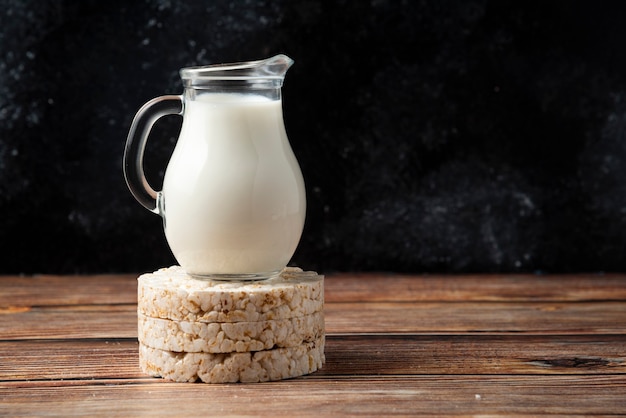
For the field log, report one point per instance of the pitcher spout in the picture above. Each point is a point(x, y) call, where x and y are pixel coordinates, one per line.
point(275, 66)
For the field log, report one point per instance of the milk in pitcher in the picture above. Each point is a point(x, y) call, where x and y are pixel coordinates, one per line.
point(233, 193)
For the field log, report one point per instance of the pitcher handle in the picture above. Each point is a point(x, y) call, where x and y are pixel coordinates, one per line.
point(136, 144)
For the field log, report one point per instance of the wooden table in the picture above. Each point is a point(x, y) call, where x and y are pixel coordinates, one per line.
point(396, 345)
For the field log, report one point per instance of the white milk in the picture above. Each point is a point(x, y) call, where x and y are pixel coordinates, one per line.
point(233, 192)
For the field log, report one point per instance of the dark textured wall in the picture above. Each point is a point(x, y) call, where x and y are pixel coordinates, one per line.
point(440, 136)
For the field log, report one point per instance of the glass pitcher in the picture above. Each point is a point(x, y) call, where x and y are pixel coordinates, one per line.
point(233, 199)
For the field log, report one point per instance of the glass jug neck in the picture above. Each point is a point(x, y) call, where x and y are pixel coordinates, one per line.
point(193, 93)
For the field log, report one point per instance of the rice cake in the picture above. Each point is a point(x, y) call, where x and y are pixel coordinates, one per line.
point(226, 337)
point(170, 293)
point(259, 366)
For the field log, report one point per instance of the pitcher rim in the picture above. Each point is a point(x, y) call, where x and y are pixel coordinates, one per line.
point(273, 68)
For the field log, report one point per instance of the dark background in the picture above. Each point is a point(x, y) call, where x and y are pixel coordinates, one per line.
point(434, 136)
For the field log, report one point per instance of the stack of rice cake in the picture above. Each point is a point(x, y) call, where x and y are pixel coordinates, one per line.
point(215, 331)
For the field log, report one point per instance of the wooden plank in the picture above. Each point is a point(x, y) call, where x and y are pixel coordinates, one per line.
point(382, 396)
point(44, 290)
point(346, 355)
point(69, 359)
point(474, 354)
point(120, 321)
point(381, 287)
point(69, 322)
point(477, 317)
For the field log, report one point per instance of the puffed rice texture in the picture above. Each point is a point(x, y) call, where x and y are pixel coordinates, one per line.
point(170, 293)
point(226, 337)
point(248, 367)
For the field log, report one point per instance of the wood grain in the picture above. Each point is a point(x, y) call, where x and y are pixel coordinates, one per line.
point(370, 287)
point(69, 359)
point(396, 345)
point(49, 290)
point(43, 290)
point(349, 396)
point(69, 322)
point(120, 321)
point(476, 317)
point(347, 355)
